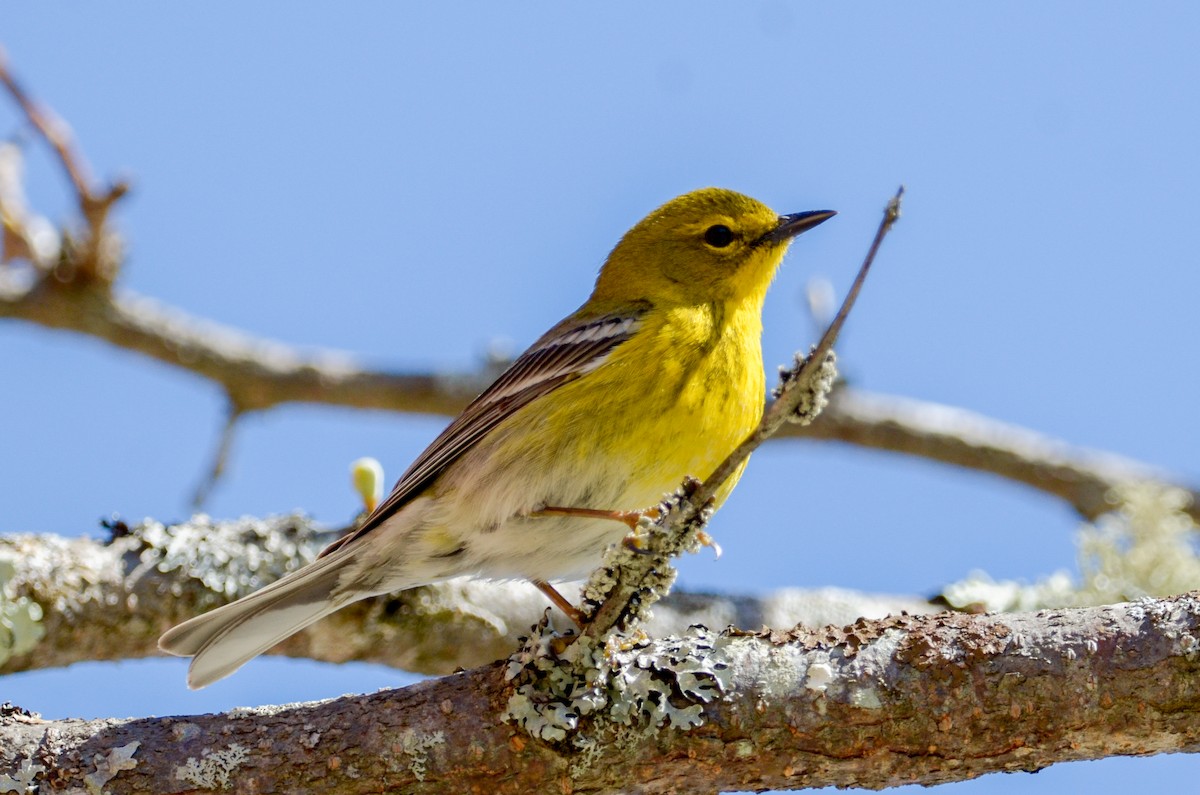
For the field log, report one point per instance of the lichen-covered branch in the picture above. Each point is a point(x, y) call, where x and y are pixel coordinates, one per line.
point(880, 703)
point(106, 601)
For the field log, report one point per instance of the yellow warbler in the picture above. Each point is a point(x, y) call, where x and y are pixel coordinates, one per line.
point(657, 376)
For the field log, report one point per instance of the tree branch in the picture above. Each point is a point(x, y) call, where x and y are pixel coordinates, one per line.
point(111, 601)
point(259, 374)
point(881, 703)
point(1083, 478)
point(855, 706)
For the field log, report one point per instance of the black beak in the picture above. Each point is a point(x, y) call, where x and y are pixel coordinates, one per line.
point(792, 225)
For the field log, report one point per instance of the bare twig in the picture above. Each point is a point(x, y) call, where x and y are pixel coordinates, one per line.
point(96, 257)
point(795, 388)
point(51, 128)
point(216, 467)
point(1083, 478)
point(255, 373)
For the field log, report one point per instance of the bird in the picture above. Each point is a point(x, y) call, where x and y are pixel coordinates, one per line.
point(656, 377)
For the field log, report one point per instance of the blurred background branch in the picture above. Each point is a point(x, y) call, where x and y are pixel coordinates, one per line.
point(258, 374)
point(111, 600)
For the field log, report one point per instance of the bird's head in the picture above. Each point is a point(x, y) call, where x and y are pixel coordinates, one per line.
point(708, 245)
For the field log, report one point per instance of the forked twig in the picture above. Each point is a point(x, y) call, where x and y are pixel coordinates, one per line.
point(94, 205)
point(216, 467)
point(51, 128)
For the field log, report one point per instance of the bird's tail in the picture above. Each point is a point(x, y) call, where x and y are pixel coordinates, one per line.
point(225, 639)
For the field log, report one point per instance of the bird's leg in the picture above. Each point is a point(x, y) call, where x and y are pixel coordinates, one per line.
point(561, 601)
point(628, 518)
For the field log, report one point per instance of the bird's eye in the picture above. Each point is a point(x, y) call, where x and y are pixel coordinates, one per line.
point(718, 236)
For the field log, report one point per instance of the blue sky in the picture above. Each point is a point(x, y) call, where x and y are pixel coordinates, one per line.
point(416, 183)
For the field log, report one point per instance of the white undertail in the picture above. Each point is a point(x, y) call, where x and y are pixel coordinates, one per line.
point(225, 639)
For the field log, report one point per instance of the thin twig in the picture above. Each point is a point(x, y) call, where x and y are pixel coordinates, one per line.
point(795, 388)
point(220, 457)
point(96, 259)
point(635, 576)
point(50, 127)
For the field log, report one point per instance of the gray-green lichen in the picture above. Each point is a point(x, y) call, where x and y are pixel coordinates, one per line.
point(813, 400)
point(577, 690)
point(24, 780)
point(1145, 547)
point(417, 745)
point(632, 683)
point(20, 618)
point(109, 765)
point(232, 558)
point(213, 769)
point(637, 573)
point(69, 575)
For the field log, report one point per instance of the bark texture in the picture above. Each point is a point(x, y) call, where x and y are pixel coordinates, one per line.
point(879, 703)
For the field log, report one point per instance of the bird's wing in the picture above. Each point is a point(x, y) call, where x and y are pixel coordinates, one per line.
point(571, 349)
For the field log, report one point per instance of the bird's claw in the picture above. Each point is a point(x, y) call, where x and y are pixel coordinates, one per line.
point(707, 540)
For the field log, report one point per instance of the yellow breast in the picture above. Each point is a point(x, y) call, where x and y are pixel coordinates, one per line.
point(687, 390)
